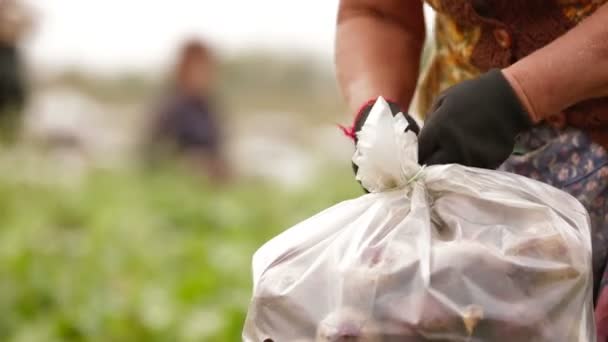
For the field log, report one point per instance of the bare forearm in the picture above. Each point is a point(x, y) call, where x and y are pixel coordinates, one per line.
point(571, 69)
point(378, 53)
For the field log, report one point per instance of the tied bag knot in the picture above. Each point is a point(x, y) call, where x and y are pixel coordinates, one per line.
point(387, 151)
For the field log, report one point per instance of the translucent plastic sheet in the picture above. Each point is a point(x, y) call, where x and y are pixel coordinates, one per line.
point(442, 253)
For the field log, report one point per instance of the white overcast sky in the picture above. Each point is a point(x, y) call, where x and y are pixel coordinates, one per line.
point(122, 34)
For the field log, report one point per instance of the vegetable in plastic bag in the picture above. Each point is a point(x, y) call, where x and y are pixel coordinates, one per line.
point(438, 253)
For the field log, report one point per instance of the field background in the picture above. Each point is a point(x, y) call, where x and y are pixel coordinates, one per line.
point(97, 246)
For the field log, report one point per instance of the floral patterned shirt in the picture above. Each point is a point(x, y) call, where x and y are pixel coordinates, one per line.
point(454, 44)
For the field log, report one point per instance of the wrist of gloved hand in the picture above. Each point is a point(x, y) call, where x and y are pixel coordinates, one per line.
point(525, 101)
point(474, 123)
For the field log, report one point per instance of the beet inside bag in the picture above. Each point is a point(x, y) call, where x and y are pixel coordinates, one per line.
point(438, 253)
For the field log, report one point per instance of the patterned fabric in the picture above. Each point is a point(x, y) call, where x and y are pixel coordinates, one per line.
point(454, 44)
point(567, 159)
point(571, 161)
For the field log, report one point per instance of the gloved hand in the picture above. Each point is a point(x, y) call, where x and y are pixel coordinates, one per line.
point(473, 123)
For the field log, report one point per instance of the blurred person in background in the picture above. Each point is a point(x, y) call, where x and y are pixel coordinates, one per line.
point(187, 124)
point(15, 20)
point(520, 85)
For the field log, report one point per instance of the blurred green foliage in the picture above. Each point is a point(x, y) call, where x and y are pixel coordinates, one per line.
point(139, 255)
point(10, 125)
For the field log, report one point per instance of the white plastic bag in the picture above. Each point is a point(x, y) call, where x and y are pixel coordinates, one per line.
point(442, 253)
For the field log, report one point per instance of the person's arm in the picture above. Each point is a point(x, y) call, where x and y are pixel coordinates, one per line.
point(476, 122)
point(571, 69)
point(378, 47)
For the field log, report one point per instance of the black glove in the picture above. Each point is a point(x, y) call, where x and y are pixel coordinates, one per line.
point(473, 123)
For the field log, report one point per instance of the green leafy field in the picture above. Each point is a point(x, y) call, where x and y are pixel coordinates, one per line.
point(139, 256)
